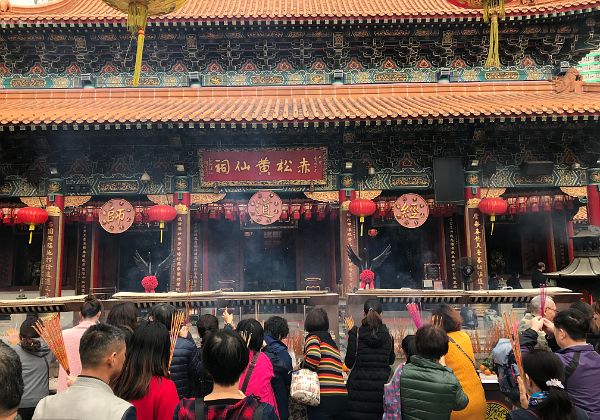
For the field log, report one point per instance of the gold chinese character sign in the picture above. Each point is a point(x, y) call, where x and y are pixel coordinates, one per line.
point(116, 215)
point(264, 207)
point(411, 210)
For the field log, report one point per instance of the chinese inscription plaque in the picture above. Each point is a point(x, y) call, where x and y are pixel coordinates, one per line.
point(264, 207)
point(116, 215)
point(411, 210)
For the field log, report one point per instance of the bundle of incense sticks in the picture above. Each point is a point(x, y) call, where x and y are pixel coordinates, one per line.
point(415, 314)
point(49, 329)
point(543, 300)
point(176, 324)
point(511, 326)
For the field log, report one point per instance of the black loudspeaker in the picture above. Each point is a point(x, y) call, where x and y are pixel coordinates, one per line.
point(448, 181)
point(537, 168)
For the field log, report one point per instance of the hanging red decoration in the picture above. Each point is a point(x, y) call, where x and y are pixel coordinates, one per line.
point(493, 207)
point(362, 207)
point(32, 216)
point(161, 213)
point(372, 232)
point(150, 283)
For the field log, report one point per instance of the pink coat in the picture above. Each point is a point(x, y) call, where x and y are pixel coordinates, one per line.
point(72, 337)
point(260, 380)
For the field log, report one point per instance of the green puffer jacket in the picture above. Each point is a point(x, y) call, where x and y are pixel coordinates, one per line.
point(429, 391)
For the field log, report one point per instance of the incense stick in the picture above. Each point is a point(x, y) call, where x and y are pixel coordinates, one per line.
point(49, 329)
point(415, 314)
point(543, 300)
point(512, 327)
point(176, 323)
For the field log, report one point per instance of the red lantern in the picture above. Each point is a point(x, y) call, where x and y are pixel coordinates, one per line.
point(284, 212)
point(493, 207)
point(362, 207)
point(373, 232)
point(32, 216)
point(161, 213)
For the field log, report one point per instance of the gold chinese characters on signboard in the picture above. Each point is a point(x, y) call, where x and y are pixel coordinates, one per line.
point(116, 215)
point(411, 210)
point(264, 207)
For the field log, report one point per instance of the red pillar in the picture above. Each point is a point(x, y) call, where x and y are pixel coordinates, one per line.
point(348, 236)
point(550, 251)
point(180, 243)
point(54, 240)
point(593, 198)
point(475, 232)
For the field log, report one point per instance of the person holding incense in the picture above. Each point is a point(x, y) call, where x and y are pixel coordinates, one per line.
point(276, 331)
point(102, 353)
point(461, 359)
point(370, 354)
point(90, 313)
point(145, 381)
point(185, 369)
point(36, 358)
point(534, 309)
point(428, 389)
point(11, 379)
point(542, 389)
point(582, 363)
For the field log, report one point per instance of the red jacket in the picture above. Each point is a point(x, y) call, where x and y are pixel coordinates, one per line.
point(260, 380)
point(160, 401)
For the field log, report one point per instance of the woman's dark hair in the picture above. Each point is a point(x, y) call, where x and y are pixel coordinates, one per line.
point(91, 307)
point(163, 313)
point(29, 337)
point(225, 356)
point(207, 324)
point(409, 346)
point(277, 327)
point(431, 342)
point(450, 318)
point(542, 366)
point(147, 356)
point(125, 313)
point(254, 330)
point(372, 319)
point(574, 322)
point(316, 320)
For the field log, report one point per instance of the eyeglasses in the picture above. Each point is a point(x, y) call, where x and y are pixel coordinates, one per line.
point(551, 309)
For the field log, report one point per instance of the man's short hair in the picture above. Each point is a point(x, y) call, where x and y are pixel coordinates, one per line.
point(574, 322)
point(535, 305)
point(541, 265)
point(225, 356)
point(431, 342)
point(11, 379)
point(277, 327)
point(98, 342)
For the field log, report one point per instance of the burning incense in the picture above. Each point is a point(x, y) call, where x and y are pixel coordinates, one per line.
point(511, 325)
point(415, 314)
point(49, 329)
point(176, 324)
point(543, 300)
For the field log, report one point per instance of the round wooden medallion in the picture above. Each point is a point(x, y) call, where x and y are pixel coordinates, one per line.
point(116, 215)
point(264, 207)
point(411, 210)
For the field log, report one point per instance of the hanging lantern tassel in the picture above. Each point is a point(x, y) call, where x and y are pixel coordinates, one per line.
point(492, 11)
point(31, 229)
point(136, 23)
point(493, 220)
point(362, 222)
point(162, 226)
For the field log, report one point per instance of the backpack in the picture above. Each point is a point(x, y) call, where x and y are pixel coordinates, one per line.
point(505, 366)
point(392, 409)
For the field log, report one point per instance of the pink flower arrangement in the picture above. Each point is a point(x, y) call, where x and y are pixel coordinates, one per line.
point(149, 283)
point(367, 276)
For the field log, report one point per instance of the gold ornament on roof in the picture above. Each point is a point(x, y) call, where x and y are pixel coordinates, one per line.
point(138, 12)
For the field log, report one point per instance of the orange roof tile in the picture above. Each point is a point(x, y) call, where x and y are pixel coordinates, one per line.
point(69, 11)
point(294, 104)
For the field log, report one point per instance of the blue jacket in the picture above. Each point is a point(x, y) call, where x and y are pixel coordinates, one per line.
point(186, 369)
point(282, 367)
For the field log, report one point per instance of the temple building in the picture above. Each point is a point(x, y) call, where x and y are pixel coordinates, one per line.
point(255, 126)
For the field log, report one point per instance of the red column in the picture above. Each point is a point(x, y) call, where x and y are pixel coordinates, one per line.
point(348, 236)
point(53, 243)
point(180, 268)
point(550, 251)
point(593, 203)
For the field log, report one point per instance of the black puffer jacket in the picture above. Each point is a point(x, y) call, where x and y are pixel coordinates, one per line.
point(370, 371)
point(186, 368)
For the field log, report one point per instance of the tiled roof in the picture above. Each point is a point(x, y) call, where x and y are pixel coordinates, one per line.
point(74, 11)
point(295, 104)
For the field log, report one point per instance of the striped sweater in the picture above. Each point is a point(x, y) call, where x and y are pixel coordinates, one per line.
point(323, 356)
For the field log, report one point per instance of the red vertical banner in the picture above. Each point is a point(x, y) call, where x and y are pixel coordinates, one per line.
point(476, 249)
point(180, 268)
point(52, 253)
point(348, 236)
point(84, 284)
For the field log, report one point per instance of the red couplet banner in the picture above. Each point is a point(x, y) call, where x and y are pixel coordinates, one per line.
point(298, 166)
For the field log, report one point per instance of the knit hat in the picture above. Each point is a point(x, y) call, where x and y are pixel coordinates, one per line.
point(27, 330)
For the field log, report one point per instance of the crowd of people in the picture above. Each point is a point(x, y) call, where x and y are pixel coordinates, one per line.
point(122, 369)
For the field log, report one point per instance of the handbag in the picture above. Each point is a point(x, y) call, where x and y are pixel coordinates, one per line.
point(305, 388)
